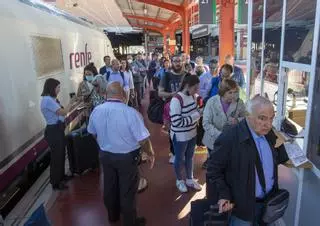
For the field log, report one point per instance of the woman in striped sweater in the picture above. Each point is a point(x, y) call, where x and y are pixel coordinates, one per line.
point(184, 119)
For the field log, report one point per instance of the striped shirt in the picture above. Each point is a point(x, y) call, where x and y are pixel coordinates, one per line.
point(184, 118)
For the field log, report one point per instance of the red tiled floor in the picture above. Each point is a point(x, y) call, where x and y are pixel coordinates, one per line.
point(161, 203)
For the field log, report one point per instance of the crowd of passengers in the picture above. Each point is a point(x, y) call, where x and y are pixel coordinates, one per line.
point(207, 111)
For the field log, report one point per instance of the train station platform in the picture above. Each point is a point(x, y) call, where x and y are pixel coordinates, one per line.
point(275, 43)
point(161, 203)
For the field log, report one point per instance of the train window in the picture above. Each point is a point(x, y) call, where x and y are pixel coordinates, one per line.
point(47, 55)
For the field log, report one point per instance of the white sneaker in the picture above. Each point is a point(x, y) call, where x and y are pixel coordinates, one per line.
point(171, 160)
point(181, 186)
point(193, 184)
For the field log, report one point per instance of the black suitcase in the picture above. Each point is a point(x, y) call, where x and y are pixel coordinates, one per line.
point(203, 213)
point(83, 151)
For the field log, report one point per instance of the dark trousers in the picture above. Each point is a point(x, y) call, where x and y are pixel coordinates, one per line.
point(150, 76)
point(155, 82)
point(121, 181)
point(138, 88)
point(171, 144)
point(54, 135)
point(200, 133)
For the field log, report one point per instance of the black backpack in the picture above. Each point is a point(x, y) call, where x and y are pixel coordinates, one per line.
point(108, 76)
point(155, 108)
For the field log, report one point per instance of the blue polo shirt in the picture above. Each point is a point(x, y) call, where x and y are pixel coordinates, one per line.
point(49, 108)
point(115, 76)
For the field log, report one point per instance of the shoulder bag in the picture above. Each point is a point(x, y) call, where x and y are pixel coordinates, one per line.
point(276, 202)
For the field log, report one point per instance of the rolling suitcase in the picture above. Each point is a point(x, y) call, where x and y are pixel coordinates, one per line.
point(83, 151)
point(203, 213)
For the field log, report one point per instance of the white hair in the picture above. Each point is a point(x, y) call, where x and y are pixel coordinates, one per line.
point(256, 103)
point(101, 82)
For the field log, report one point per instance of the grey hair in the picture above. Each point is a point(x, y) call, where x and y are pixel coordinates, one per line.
point(113, 88)
point(255, 103)
point(101, 82)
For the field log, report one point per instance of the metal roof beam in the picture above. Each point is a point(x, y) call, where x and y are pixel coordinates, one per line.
point(164, 5)
point(150, 19)
point(148, 27)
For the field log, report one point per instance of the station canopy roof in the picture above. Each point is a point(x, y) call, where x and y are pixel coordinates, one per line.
point(119, 15)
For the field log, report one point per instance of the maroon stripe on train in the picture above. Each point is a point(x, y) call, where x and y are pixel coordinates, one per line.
point(16, 168)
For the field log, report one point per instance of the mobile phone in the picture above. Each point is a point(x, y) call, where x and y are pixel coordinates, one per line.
point(71, 95)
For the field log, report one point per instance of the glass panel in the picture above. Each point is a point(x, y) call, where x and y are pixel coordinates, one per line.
point(314, 134)
point(241, 13)
point(297, 98)
point(300, 17)
point(272, 46)
point(256, 47)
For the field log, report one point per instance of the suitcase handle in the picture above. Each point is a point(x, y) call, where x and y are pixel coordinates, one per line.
point(214, 212)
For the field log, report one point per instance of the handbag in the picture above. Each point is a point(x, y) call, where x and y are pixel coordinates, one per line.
point(233, 114)
point(276, 202)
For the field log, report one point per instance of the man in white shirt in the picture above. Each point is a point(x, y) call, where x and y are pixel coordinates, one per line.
point(121, 135)
point(115, 75)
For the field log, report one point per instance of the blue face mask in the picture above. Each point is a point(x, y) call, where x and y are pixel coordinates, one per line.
point(89, 78)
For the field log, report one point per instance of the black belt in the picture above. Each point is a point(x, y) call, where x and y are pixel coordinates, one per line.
point(52, 126)
point(128, 153)
point(260, 200)
point(59, 125)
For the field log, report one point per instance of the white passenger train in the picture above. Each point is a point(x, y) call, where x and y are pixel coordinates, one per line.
point(37, 42)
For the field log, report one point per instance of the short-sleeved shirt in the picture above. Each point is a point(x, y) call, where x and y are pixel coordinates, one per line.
point(116, 77)
point(118, 127)
point(49, 107)
point(128, 76)
point(171, 82)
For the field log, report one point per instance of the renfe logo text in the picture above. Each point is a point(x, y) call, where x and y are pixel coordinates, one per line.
point(80, 59)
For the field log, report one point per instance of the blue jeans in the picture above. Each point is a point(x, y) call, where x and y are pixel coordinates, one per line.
point(235, 221)
point(184, 150)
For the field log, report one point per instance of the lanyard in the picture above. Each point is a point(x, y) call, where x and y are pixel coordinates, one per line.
point(114, 101)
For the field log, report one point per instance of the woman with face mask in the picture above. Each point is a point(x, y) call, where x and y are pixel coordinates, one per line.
point(222, 111)
point(85, 87)
point(98, 95)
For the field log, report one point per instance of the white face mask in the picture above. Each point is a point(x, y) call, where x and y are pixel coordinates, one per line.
point(130, 61)
point(89, 78)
